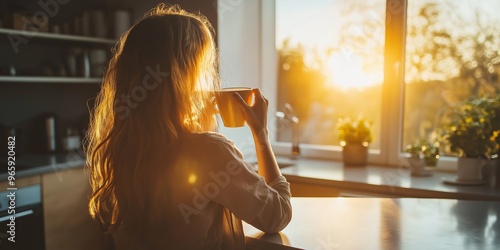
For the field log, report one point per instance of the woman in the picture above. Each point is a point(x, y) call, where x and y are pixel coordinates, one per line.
point(160, 178)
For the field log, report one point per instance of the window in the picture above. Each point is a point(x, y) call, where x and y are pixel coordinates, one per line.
point(330, 65)
point(402, 64)
point(452, 54)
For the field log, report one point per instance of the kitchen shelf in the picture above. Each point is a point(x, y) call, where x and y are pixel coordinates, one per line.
point(50, 79)
point(59, 37)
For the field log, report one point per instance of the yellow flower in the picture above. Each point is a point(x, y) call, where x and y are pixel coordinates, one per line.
point(494, 135)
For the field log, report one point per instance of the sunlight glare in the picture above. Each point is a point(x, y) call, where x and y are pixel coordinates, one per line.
point(192, 178)
point(345, 71)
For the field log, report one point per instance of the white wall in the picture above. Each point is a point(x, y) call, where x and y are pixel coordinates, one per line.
point(239, 42)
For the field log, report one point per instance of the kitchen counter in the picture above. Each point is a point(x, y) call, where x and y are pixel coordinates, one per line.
point(381, 181)
point(35, 164)
point(382, 223)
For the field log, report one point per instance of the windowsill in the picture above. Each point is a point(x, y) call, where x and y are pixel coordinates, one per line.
point(380, 181)
point(334, 153)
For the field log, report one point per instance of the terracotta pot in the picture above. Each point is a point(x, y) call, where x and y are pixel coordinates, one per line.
point(355, 155)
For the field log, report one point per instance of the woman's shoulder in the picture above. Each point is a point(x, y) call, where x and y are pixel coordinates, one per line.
point(211, 148)
point(208, 141)
point(208, 137)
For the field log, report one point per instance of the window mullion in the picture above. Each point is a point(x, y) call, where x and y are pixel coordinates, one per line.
point(393, 88)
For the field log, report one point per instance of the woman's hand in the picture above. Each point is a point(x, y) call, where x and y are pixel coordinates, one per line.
point(255, 115)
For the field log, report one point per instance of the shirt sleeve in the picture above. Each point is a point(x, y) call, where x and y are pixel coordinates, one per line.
point(265, 206)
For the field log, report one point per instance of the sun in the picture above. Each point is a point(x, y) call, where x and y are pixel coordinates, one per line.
point(346, 71)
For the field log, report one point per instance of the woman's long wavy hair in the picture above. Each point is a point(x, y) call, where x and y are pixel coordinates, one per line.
point(158, 86)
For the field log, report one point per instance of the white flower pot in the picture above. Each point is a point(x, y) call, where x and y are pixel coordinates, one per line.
point(470, 169)
point(417, 165)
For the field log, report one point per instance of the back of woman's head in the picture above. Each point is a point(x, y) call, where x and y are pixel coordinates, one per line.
point(158, 86)
point(166, 63)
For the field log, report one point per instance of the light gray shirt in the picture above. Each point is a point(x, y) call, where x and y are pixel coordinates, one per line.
point(212, 178)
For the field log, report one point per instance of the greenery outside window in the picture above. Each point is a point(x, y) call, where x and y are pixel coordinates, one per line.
point(403, 64)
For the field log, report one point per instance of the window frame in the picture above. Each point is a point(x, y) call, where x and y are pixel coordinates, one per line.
point(390, 153)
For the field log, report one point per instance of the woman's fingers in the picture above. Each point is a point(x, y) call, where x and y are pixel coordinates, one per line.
point(247, 110)
point(255, 115)
point(259, 98)
point(258, 95)
point(243, 104)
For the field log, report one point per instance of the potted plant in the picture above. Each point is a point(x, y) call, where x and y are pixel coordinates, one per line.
point(425, 150)
point(355, 136)
point(422, 153)
point(473, 133)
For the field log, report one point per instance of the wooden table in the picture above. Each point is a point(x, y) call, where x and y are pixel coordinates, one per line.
point(379, 223)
